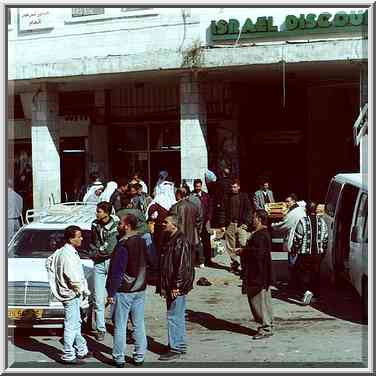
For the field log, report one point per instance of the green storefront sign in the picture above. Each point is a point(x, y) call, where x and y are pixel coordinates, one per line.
point(301, 25)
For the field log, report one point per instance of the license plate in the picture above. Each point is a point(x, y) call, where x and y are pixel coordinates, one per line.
point(19, 313)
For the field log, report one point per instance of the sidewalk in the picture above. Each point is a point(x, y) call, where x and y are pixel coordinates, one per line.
point(220, 328)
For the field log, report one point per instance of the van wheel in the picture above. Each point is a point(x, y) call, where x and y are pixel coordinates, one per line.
point(365, 300)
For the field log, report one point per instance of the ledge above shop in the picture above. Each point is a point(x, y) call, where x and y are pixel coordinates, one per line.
point(328, 50)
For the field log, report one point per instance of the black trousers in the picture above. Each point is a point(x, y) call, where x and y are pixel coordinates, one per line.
point(205, 240)
point(307, 273)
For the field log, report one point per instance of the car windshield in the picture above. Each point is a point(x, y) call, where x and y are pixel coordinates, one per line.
point(37, 243)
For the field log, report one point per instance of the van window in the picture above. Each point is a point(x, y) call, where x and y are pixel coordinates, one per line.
point(361, 220)
point(332, 197)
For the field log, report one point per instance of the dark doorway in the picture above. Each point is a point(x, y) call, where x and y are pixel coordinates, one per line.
point(72, 159)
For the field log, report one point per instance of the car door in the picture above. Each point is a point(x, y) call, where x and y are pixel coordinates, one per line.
point(358, 258)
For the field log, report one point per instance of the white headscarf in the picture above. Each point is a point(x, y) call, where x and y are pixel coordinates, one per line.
point(161, 178)
point(90, 195)
point(164, 195)
point(111, 186)
point(210, 177)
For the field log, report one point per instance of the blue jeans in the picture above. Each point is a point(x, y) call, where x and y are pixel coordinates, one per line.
point(100, 293)
point(176, 323)
point(125, 304)
point(73, 340)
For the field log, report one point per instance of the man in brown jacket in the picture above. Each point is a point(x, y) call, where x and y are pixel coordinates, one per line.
point(189, 220)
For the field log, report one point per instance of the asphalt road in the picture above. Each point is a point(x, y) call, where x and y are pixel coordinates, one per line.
point(328, 333)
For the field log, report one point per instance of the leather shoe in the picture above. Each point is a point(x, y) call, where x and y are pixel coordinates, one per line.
point(170, 355)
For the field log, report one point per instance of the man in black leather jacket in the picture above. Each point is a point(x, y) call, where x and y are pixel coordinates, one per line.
point(176, 280)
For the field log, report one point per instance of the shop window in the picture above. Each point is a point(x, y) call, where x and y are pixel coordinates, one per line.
point(82, 12)
point(76, 103)
point(130, 138)
point(164, 138)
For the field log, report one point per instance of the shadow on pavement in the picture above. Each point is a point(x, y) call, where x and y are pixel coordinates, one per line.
point(215, 265)
point(155, 347)
point(212, 323)
point(31, 344)
point(341, 302)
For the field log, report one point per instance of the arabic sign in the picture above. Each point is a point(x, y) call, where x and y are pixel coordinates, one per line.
point(292, 26)
point(35, 19)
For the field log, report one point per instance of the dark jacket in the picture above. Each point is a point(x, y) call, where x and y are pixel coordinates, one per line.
point(217, 211)
point(258, 260)
point(176, 268)
point(115, 199)
point(189, 220)
point(245, 209)
point(128, 266)
point(103, 239)
point(205, 204)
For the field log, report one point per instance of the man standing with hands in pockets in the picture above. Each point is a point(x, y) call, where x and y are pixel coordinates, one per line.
point(176, 280)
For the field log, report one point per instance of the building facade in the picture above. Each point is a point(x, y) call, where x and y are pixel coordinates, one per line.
point(265, 91)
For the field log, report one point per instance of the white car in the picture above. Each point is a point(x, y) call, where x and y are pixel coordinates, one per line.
point(30, 301)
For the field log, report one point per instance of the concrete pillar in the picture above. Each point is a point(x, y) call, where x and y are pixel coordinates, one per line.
point(98, 138)
point(45, 145)
point(193, 131)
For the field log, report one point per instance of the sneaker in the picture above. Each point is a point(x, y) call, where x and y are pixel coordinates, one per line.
point(89, 354)
point(73, 361)
point(262, 335)
point(119, 365)
point(99, 336)
point(137, 363)
point(307, 297)
point(170, 355)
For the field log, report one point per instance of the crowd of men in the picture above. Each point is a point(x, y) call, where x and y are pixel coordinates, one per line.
point(140, 239)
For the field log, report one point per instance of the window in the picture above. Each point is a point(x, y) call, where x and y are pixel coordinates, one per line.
point(361, 220)
point(9, 16)
point(332, 198)
point(130, 138)
point(76, 103)
point(164, 138)
point(35, 243)
point(82, 12)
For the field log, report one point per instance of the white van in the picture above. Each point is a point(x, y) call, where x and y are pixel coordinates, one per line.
point(346, 214)
point(30, 301)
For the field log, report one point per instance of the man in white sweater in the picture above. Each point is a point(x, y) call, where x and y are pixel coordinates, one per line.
point(287, 226)
point(68, 284)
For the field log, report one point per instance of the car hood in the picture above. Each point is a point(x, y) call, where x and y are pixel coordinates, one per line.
point(34, 269)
